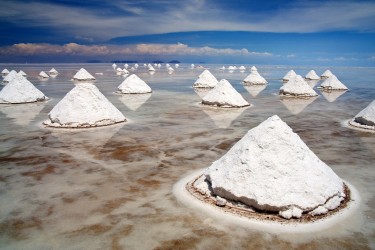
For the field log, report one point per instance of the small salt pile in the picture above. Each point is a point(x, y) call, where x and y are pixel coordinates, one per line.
point(150, 68)
point(289, 75)
point(125, 72)
point(242, 68)
point(176, 65)
point(84, 106)
point(366, 118)
point(9, 76)
point(311, 75)
point(136, 65)
point(114, 66)
point(254, 78)
point(205, 80)
point(326, 74)
point(20, 90)
point(43, 74)
point(222, 68)
point(5, 72)
point(159, 65)
point(271, 169)
point(126, 65)
point(297, 87)
point(167, 65)
point(192, 66)
point(53, 72)
point(22, 73)
point(332, 83)
point(225, 96)
point(133, 85)
point(119, 71)
point(231, 68)
point(83, 75)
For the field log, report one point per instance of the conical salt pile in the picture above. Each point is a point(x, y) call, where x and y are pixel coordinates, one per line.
point(84, 106)
point(254, 78)
point(332, 83)
point(366, 118)
point(5, 72)
point(242, 67)
point(311, 75)
point(271, 169)
point(296, 86)
point(43, 74)
point(20, 90)
point(326, 74)
point(224, 95)
point(9, 77)
point(150, 68)
point(289, 75)
point(205, 80)
point(83, 75)
point(134, 85)
point(53, 72)
point(114, 66)
point(22, 73)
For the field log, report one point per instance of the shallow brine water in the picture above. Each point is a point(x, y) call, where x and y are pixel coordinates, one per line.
point(111, 187)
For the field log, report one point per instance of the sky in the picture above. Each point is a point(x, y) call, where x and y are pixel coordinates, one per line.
point(289, 32)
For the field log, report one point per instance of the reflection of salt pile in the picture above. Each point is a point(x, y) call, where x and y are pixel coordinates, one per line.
point(271, 169)
point(134, 85)
point(366, 118)
point(43, 74)
point(224, 95)
point(9, 77)
point(5, 72)
point(84, 106)
point(326, 74)
point(254, 78)
point(312, 75)
point(297, 105)
point(296, 86)
point(332, 83)
point(205, 80)
point(289, 75)
point(312, 83)
point(254, 90)
point(20, 90)
point(22, 114)
point(223, 118)
point(133, 102)
point(83, 75)
point(201, 92)
point(331, 96)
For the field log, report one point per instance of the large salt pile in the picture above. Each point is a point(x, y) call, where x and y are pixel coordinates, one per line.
point(205, 80)
point(20, 90)
point(311, 75)
point(272, 170)
point(134, 85)
point(43, 74)
point(84, 106)
point(289, 75)
point(5, 72)
point(366, 118)
point(254, 78)
point(83, 75)
point(9, 77)
point(224, 95)
point(296, 86)
point(326, 74)
point(332, 83)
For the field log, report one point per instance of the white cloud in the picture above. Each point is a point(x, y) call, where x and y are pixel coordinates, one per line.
point(291, 56)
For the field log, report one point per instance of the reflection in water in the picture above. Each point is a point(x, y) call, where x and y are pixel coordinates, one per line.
point(223, 117)
point(254, 90)
point(332, 95)
point(312, 83)
point(22, 114)
point(297, 105)
point(134, 101)
point(201, 92)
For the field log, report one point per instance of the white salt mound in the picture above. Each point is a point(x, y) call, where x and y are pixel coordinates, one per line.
point(242, 67)
point(224, 95)
point(253, 68)
point(332, 83)
point(311, 75)
point(84, 106)
point(205, 80)
point(43, 74)
point(83, 75)
point(114, 65)
point(10, 76)
point(296, 86)
point(326, 74)
point(254, 78)
point(5, 72)
point(272, 169)
point(134, 85)
point(289, 75)
point(53, 71)
point(20, 90)
point(150, 68)
point(22, 73)
point(365, 118)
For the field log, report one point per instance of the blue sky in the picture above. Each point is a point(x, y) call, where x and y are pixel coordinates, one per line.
point(256, 32)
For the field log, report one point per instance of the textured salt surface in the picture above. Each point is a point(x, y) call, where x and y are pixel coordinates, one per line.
point(311, 75)
point(134, 85)
point(83, 75)
point(296, 86)
point(332, 83)
point(254, 78)
point(205, 80)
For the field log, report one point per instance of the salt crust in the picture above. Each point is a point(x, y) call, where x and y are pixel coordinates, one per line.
point(254, 78)
point(20, 90)
point(272, 169)
point(326, 74)
point(311, 75)
point(83, 75)
point(10, 76)
point(297, 86)
point(84, 106)
point(43, 74)
point(224, 95)
point(134, 85)
point(289, 75)
point(205, 80)
point(332, 83)
point(366, 118)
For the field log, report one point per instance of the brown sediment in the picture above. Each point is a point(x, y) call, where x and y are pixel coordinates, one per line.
point(133, 152)
point(253, 213)
point(125, 231)
point(95, 229)
point(39, 174)
point(225, 145)
point(15, 227)
point(111, 205)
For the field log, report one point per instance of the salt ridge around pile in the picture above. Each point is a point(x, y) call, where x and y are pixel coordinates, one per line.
point(332, 83)
point(254, 78)
point(297, 87)
point(271, 169)
point(134, 85)
point(289, 75)
point(20, 90)
point(224, 95)
point(311, 75)
point(205, 80)
point(83, 75)
point(366, 118)
point(84, 106)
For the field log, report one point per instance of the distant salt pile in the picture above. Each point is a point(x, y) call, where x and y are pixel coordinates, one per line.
point(150, 68)
point(297, 87)
point(133, 85)
point(231, 68)
point(254, 78)
point(272, 170)
point(205, 80)
point(9, 77)
point(225, 96)
point(289, 75)
point(84, 106)
point(126, 65)
point(192, 66)
point(83, 75)
point(332, 83)
point(311, 75)
point(5, 72)
point(114, 66)
point(22, 73)
point(136, 65)
point(222, 68)
point(43, 74)
point(119, 71)
point(326, 74)
point(53, 72)
point(159, 66)
point(366, 118)
point(177, 65)
point(20, 90)
point(125, 72)
point(242, 68)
